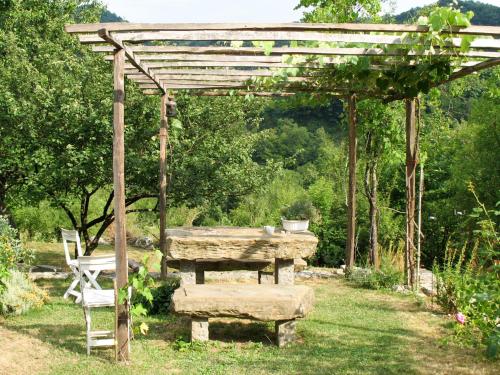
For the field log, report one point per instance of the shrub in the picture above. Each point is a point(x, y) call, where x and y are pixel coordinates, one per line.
point(162, 297)
point(388, 275)
point(20, 294)
point(300, 210)
point(11, 250)
point(384, 278)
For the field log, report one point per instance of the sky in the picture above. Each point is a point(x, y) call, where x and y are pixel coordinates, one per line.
point(224, 10)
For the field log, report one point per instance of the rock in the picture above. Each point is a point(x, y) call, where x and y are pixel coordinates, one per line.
point(259, 302)
point(428, 292)
point(342, 267)
point(143, 242)
point(300, 264)
point(238, 244)
point(102, 241)
point(44, 268)
point(48, 275)
point(339, 271)
point(398, 288)
point(133, 265)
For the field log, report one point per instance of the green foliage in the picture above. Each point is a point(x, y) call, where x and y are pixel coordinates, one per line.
point(19, 294)
point(300, 210)
point(162, 293)
point(470, 286)
point(339, 10)
point(11, 251)
point(384, 278)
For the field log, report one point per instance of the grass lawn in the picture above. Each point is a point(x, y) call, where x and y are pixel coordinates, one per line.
point(350, 331)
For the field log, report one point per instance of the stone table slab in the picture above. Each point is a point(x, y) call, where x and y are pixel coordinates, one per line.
point(234, 243)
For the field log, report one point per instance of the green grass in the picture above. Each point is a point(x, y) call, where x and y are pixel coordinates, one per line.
point(350, 331)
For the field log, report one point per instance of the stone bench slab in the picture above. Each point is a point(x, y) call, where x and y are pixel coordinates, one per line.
point(257, 302)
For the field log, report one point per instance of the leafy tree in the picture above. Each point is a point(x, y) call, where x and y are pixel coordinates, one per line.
point(339, 10)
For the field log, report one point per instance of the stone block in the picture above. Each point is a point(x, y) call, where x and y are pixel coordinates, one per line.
point(199, 329)
point(285, 332)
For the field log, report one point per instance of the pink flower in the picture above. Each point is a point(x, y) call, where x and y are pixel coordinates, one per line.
point(460, 318)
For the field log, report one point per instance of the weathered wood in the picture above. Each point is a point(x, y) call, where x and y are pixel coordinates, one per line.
point(118, 43)
point(411, 164)
point(351, 194)
point(163, 183)
point(358, 27)
point(295, 51)
point(122, 333)
point(237, 244)
point(420, 233)
point(213, 35)
point(218, 72)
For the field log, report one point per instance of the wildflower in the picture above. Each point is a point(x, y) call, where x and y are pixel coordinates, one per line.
point(460, 318)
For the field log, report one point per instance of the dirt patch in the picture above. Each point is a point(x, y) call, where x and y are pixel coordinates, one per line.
point(22, 354)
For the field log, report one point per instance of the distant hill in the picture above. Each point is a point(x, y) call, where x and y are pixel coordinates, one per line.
point(484, 14)
point(108, 16)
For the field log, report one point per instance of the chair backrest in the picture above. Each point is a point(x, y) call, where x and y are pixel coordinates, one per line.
point(71, 236)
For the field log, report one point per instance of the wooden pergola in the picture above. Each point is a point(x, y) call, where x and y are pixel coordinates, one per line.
point(219, 59)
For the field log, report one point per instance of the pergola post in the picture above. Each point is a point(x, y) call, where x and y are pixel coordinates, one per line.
point(351, 195)
point(163, 183)
point(411, 166)
point(122, 319)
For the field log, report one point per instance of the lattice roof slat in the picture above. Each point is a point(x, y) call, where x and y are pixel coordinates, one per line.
point(158, 57)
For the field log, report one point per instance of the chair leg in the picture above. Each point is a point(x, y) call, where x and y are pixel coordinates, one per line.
point(71, 289)
point(86, 312)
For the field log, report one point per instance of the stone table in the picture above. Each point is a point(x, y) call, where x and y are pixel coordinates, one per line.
point(195, 247)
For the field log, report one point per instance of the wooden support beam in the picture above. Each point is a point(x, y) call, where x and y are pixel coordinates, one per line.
point(122, 331)
point(294, 51)
point(340, 27)
point(411, 167)
point(117, 43)
point(223, 35)
point(351, 195)
point(163, 183)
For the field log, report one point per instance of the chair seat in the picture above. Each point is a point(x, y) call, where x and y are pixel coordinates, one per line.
point(97, 298)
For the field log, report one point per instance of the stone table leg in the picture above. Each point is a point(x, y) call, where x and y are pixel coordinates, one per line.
point(285, 332)
point(200, 274)
point(188, 272)
point(284, 271)
point(266, 277)
point(199, 329)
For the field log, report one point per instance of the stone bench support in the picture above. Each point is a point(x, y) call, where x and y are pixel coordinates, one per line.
point(285, 332)
point(199, 329)
point(284, 272)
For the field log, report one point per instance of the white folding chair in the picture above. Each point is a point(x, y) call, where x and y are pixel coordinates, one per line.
point(94, 298)
point(72, 236)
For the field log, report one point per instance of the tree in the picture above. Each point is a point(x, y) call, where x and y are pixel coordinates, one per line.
point(339, 10)
point(57, 127)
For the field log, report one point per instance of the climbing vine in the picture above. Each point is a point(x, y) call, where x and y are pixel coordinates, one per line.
point(421, 62)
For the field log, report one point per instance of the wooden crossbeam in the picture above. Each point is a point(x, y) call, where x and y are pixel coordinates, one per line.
point(213, 35)
point(115, 41)
point(255, 51)
point(345, 27)
point(218, 72)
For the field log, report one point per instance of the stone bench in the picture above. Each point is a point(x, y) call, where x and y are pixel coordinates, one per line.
point(279, 303)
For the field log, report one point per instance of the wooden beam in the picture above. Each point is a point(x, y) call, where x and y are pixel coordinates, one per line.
point(117, 42)
point(216, 64)
point(219, 72)
point(163, 183)
point(411, 167)
point(209, 35)
point(122, 332)
point(321, 51)
point(351, 195)
point(353, 27)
